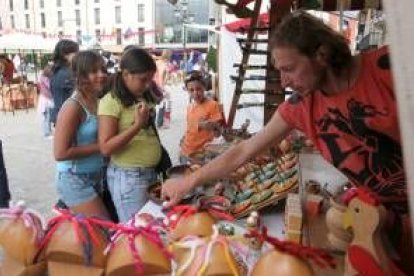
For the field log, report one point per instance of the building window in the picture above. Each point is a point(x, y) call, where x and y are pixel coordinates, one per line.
point(58, 3)
point(77, 2)
point(11, 5)
point(1, 25)
point(42, 4)
point(141, 17)
point(141, 36)
point(77, 17)
point(79, 37)
point(27, 20)
point(97, 16)
point(26, 4)
point(43, 20)
point(12, 21)
point(117, 15)
point(60, 19)
point(98, 35)
point(118, 36)
point(96, 1)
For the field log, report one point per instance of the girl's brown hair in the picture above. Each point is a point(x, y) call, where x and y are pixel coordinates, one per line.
point(136, 61)
point(307, 34)
point(84, 63)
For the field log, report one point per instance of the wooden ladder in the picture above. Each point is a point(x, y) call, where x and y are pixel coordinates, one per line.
point(253, 29)
point(274, 94)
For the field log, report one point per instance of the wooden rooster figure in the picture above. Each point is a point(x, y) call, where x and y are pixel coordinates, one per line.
point(366, 255)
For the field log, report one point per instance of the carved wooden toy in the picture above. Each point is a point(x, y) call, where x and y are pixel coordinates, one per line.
point(366, 254)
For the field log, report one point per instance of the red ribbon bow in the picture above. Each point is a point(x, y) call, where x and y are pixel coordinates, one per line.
point(185, 211)
point(77, 222)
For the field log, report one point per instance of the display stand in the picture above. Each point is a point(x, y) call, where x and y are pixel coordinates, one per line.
point(314, 233)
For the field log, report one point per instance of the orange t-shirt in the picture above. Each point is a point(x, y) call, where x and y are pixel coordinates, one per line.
point(195, 138)
point(357, 130)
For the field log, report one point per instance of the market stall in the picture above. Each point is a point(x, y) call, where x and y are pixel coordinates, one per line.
point(285, 212)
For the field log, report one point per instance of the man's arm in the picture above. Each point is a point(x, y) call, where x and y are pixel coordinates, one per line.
point(174, 190)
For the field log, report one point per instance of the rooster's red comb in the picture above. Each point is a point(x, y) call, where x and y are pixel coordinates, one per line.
point(364, 194)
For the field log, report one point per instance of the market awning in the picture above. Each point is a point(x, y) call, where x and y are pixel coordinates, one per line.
point(22, 41)
point(244, 24)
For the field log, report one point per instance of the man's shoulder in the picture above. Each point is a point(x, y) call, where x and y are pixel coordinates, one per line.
point(378, 58)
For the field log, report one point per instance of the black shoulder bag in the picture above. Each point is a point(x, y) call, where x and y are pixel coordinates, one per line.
point(165, 161)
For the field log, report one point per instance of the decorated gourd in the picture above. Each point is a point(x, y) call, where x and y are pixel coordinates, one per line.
point(21, 233)
point(287, 258)
point(187, 220)
point(137, 250)
point(75, 244)
point(210, 256)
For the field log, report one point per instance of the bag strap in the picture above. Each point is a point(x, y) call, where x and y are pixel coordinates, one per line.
point(148, 98)
point(155, 130)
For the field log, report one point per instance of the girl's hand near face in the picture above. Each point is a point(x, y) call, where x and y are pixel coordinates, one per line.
point(141, 116)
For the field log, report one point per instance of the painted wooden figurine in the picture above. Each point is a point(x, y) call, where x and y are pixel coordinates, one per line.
point(366, 255)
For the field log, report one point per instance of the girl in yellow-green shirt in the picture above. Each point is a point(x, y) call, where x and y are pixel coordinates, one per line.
point(126, 133)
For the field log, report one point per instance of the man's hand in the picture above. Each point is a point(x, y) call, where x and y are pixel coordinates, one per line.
point(173, 190)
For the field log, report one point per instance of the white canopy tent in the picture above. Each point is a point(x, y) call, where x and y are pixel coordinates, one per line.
point(21, 41)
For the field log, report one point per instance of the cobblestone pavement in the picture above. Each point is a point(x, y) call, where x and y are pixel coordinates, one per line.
point(29, 160)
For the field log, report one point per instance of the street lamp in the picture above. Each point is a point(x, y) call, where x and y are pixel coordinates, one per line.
point(184, 17)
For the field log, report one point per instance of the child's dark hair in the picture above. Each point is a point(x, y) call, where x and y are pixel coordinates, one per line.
point(195, 76)
point(62, 48)
point(84, 63)
point(135, 61)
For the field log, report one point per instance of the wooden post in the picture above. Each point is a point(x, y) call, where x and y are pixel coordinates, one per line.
point(400, 24)
point(276, 14)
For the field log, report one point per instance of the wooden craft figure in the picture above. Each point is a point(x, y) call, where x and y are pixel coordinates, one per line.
point(21, 232)
point(287, 258)
point(366, 255)
point(187, 220)
point(75, 244)
point(209, 256)
point(137, 250)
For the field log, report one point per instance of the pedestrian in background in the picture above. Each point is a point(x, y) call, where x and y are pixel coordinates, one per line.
point(45, 102)
point(62, 82)
point(204, 117)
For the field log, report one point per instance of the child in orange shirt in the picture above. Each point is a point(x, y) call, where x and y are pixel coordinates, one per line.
point(204, 117)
